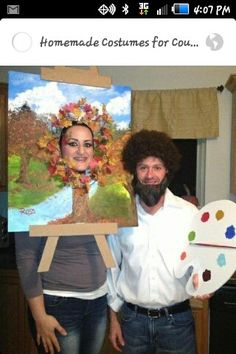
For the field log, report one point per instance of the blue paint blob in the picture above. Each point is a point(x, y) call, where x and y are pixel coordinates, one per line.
point(230, 232)
point(221, 261)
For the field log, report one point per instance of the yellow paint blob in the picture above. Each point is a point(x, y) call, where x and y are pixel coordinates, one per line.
point(219, 214)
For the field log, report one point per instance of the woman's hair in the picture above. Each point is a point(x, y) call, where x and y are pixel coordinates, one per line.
point(146, 143)
point(74, 123)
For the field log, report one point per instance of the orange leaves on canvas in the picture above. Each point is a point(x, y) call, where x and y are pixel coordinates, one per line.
point(106, 152)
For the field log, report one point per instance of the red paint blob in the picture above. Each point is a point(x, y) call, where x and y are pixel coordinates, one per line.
point(205, 217)
point(183, 256)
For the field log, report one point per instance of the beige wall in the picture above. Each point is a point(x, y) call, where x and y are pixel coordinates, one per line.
point(142, 77)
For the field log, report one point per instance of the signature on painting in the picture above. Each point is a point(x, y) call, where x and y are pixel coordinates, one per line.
point(29, 211)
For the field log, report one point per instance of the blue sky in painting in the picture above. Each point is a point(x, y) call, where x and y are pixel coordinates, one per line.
point(46, 97)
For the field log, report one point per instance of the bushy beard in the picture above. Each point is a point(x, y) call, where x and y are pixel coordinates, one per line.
point(150, 194)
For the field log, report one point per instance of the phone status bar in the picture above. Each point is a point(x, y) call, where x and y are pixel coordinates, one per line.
point(113, 9)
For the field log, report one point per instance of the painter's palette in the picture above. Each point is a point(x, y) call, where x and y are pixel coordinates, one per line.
point(211, 252)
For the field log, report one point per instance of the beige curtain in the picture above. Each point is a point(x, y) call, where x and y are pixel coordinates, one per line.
point(183, 114)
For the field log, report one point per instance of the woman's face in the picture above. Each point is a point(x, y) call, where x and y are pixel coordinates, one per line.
point(77, 147)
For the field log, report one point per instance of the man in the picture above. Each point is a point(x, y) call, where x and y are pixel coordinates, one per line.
point(155, 313)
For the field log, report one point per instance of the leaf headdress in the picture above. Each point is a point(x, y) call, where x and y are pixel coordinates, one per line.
point(103, 127)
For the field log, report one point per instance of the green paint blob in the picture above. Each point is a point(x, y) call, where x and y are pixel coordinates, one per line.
point(191, 235)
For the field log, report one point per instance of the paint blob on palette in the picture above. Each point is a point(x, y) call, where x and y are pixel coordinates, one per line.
point(211, 250)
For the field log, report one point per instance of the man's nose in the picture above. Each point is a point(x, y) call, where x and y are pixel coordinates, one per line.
point(150, 173)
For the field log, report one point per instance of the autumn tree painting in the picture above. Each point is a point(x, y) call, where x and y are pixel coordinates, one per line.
point(105, 169)
point(44, 188)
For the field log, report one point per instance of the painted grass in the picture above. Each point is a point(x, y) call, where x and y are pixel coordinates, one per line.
point(40, 186)
point(111, 201)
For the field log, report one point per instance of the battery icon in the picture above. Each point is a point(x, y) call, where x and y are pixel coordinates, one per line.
point(180, 9)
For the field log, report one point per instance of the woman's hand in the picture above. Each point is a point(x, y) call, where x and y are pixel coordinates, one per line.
point(46, 333)
point(46, 325)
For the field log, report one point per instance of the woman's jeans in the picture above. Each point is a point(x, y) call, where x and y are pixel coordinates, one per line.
point(83, 320)
point(170, 334)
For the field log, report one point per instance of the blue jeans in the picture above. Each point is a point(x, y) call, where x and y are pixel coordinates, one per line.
point(171, 334)
point(84, 321)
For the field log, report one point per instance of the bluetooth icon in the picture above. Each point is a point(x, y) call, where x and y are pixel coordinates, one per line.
point(125, 9)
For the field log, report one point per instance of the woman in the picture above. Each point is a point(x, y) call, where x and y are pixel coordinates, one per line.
point(67, 303)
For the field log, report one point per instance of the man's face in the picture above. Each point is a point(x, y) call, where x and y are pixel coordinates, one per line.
point(151, 171)
point(151, 180)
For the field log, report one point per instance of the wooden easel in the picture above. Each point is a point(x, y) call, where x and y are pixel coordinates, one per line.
point(99, 230)
point(88, 77)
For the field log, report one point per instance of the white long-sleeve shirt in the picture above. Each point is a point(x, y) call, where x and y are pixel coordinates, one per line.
point(147, 254)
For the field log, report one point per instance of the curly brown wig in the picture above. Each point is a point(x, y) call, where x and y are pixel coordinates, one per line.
point(147, 143)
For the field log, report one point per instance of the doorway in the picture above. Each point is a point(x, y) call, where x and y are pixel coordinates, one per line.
point(192, 170)
point(184, 181)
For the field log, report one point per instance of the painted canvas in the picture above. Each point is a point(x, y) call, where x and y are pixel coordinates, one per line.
point(45, 186)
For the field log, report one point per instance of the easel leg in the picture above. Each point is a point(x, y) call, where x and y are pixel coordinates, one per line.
point(48, 254)
point(105, 250)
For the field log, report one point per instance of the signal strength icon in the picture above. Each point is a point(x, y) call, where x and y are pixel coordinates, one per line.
point(163, 10)
point(104, 9)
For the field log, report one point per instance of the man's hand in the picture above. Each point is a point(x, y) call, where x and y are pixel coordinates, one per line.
point(196, 285)
point(115, 333)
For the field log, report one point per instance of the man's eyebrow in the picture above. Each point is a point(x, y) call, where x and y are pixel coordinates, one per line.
point(155, 164)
